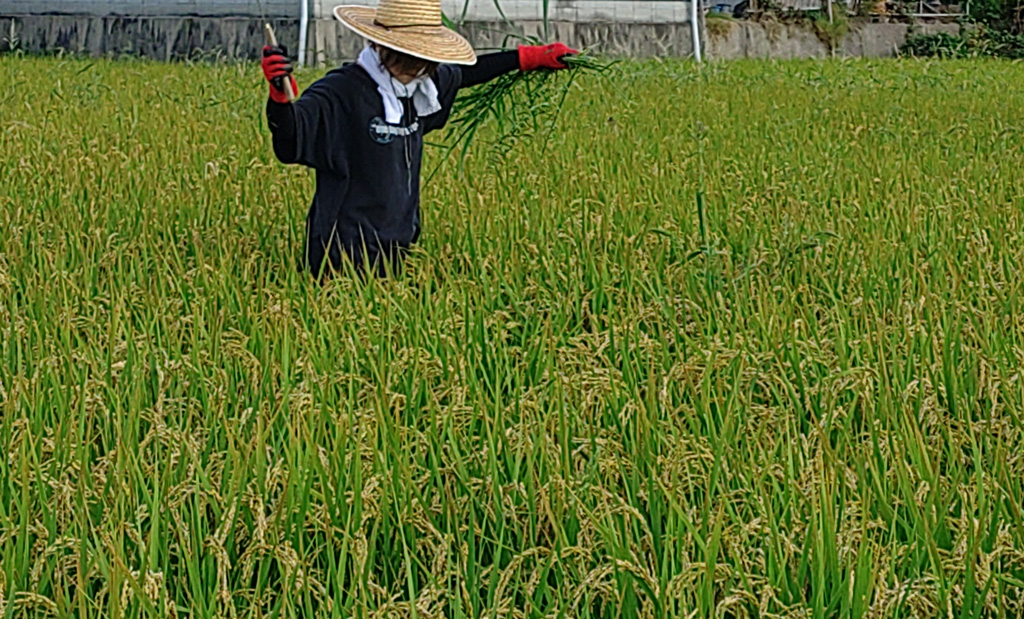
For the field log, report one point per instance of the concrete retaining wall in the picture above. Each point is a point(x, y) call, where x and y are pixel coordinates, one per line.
point(189, 37)
point(743, 39)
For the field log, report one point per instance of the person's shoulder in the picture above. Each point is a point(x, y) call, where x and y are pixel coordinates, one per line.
point(347, 86)
point(447, 76)
point(344, 77)
point(448, 70)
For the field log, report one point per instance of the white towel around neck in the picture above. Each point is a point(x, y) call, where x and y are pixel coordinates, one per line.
point(422, 90)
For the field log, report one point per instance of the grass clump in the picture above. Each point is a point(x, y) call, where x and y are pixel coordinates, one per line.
point(518, 104)
point(719, 25)
point(831, 29)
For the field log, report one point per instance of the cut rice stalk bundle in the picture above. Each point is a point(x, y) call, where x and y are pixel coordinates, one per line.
point(519, 104)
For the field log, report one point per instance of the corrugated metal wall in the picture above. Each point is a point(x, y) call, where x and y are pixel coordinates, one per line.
point(149, 8)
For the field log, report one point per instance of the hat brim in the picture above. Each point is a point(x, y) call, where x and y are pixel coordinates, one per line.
point(433, 43)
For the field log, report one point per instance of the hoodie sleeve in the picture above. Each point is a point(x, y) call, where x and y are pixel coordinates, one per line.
point(281, 120)
point(488, 67)
point(306, 131)
point(452, 78)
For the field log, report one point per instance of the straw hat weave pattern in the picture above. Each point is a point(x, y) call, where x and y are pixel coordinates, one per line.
point(413, 27)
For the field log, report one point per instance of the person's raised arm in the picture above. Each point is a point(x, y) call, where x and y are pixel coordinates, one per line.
point(526, 58)
point(489, 67)
point(280, 113)
point(306, 130)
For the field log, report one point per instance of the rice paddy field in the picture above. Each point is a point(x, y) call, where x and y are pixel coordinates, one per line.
point(738, 342)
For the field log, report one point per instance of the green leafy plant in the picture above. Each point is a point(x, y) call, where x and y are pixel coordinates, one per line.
point(997, 43)
point(983, 42)
point(1004, 15)
point(11, 42)
point(938, 45)
point(518, 105)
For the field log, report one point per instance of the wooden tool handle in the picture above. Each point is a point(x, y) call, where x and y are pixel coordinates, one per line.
point(268, 34)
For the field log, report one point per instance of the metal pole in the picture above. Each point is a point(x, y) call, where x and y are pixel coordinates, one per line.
point(695, 28)
point(303, 31)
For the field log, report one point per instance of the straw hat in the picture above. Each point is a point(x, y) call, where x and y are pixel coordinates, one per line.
point(410, 26)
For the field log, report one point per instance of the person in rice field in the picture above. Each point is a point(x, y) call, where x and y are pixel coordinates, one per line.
point(361, 126)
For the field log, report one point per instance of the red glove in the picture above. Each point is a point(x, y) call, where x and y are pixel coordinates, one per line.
point(544, 56)
point(277, 68)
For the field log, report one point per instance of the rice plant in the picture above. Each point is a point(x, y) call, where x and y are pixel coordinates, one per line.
point(520, 106)
point(587, 396)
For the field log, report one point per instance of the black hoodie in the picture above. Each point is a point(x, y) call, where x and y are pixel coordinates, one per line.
point(367, 171)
